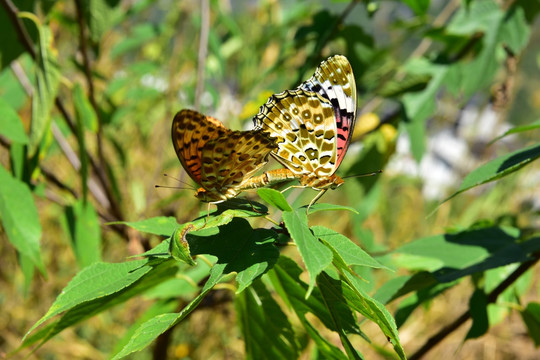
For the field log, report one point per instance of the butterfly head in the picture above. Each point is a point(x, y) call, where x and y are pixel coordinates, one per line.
point(215, 197)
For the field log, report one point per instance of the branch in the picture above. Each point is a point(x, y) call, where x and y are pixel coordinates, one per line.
point(491, 298)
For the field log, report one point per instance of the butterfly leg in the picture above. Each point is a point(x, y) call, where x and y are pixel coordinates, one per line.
point(207, 215)
point(319, 195)
point(292, 186)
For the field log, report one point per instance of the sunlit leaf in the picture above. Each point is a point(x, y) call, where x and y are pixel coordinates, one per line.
point(419, 7)
point(316, 256)
point(518, 129)
point(531, 318)
point(374, 311)
point(10, 124)
point(160, 225)
point(343, 247)
point(419, 106)
point(97, 288)
point(498, 168)
point(20, 218)
point(47, 81)
point(275, 198)
point(151, 329)
point(330, 207)
point(84, 230)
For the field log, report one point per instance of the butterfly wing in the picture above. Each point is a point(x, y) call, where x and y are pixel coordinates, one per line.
point(303, 124)
point(229, 160)
point(334, 80)
point(191, 130)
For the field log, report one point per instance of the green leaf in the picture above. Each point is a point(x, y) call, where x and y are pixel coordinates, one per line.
point(515, 32)
point(20, 218)
point(285, 277)
point(422, 296)
point(157, 309)
point(460, 249)
point(148, 332)
point(481, 15)
point(184, 286)
point(478, 310)
point(100, 16)
point(498, 168)
point(259, 315)
point(84, 110)
point(372, 310)
point(97, 288)
point(95, 281)
point(275, 198)
point(324, 346)
point(85, 233)
point(11, 50)
point(473, 251)
point(531, 318)
point(518, 129)
point(78, 97)
point(419, 106)
point(10, 124)
point(420, 7)
point(159, 225)
point(341, 246)
point(139, 35)
point(330, 207)
point(316, 256)
point(180, 247)
point(47, 81)
point(498, 28)
point(239, 248)
point(156, 326)
point(341, 313)
point(401, 285)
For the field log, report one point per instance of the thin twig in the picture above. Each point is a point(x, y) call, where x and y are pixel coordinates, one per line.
point(491, 298)
point(203, 50)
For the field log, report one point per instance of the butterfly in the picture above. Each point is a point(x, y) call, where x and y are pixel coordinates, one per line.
point(312, 126)
point(219, 160)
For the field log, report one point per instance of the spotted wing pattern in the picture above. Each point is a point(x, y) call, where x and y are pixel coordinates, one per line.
point(313, 124)
point(303, 124)
point(334, 80)
point(218, 159)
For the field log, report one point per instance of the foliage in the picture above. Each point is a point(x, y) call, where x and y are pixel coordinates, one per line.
point(88, 90)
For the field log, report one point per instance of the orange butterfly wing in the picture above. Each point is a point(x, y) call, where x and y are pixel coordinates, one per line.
point(218, 159)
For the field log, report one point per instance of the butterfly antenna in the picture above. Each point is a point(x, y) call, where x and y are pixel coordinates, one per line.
point(189, 186)
point(363, 175)
point(172, 187)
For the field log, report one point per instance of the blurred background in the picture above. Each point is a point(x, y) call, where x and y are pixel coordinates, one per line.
point(436, 85)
